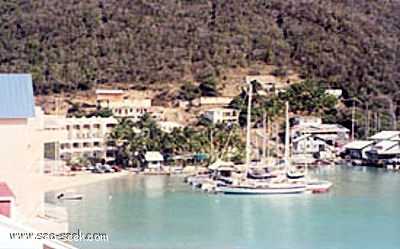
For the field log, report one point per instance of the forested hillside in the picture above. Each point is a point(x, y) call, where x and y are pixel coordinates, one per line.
point(72, 45)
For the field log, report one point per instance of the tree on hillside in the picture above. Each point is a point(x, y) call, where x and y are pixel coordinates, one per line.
point(308, 97)
point(208, 87)
point(188, 91)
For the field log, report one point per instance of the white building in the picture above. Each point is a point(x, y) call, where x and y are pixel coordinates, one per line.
point(86, 137)
point(358, 149)
point(386, 135)
point(130, 108)
point(169, 126)
point(308, 144)
point(334, 134)
point(306, 121)
point(222, 115)
point(153, 160)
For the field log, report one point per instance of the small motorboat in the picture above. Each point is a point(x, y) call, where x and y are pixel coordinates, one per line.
point(295, 175)
point(69, 196)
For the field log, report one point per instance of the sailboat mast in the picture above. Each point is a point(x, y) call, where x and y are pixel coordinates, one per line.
point(287, 130)
point(264, 147)
point(248, 126)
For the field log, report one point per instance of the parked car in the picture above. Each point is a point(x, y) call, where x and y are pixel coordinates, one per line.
point(76, 168)
point(90, 167)
point(98, 170)
point(116, 168)
point(107, 168)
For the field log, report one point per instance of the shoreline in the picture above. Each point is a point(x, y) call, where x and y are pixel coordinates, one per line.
point(30, 189)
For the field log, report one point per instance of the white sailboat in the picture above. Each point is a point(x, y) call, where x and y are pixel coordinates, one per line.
point(248, 187)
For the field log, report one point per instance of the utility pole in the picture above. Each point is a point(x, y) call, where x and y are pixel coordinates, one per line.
point(277, 139)
point(367, 122)
point(268, 134)
point(353, 113)
point(248, 126)
point(264, 137)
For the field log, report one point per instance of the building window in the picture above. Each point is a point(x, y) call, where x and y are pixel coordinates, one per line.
point(75, 145)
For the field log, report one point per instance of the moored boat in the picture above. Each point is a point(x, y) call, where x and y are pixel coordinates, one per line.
point(263, 190)
point(69, 196)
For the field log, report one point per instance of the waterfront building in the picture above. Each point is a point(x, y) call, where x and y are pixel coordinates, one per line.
point(308, 144)
point(222, 115)
point(358, 149)
point(333, 134)
point(153, 160)
point(86, 137)
point(386, 135)
point(383, 149)
point(130, 108)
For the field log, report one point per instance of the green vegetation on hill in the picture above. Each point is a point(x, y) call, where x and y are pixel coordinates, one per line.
point(72, 45)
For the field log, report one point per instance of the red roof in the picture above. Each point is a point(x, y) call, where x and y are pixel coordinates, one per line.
point(5, 191)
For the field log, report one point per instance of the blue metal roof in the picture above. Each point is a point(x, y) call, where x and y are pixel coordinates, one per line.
point(16, 96)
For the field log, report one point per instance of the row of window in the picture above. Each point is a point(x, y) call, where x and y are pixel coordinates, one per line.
point(129, 111)
point(84, 135)
point(64, 146)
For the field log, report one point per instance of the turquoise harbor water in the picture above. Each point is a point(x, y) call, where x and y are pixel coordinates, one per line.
point(151, 212)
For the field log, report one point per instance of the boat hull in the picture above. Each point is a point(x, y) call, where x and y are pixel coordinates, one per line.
point(261, 191)
point(319, 185)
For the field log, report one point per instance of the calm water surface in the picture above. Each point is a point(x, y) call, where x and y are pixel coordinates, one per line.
point(151, 212)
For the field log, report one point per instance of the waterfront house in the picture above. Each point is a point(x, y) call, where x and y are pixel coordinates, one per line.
point(358, 149)
point(386, 135)
point(384, 149)
point(222, 115)
point(308, 144)
point(333, 134)
point(153, 160)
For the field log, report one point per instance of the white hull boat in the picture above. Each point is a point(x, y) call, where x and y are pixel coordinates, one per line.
point(262, 190)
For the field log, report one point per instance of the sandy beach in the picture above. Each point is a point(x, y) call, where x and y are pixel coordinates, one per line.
point(30, 191)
